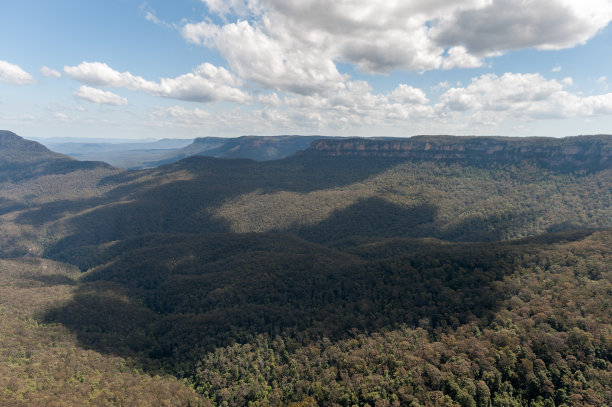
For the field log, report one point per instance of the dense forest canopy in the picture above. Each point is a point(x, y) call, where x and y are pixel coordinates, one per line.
point(383, 272)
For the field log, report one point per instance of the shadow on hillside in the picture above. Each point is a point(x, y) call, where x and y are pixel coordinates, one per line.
point(155, 203)
point(106, 320)
point(168, 302)
point(49, 280)
point(8, 205)
point(371, 218)
point(375, 218)
point(492, 228)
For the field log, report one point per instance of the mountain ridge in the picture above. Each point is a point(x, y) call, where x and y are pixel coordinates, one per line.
point(592, 152)
point(23, 159)
point(258, 148)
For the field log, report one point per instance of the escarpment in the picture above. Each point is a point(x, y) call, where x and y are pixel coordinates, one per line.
point(587, 152)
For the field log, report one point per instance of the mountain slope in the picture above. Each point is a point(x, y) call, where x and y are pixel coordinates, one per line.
point(44, 364)
point(511, 322)
point(470, 272)
point(21, 159)
point(252, 147)
point(31, 177)
point(327, 199)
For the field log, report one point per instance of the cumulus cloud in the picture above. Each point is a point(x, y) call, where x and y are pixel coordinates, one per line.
point(224, 7)
point(524, 96)
point(294, 45)
point(485, 103)
point(270, 99)
point(99, 97)
point(505, 25)
point(275, 63)
point(355, 106)
point(179, 116)
point(207, 83)
point(458, 57)
point(204, 33)
point(11, 73)
point(408, 94)
point(50, 73)
point(227, 123)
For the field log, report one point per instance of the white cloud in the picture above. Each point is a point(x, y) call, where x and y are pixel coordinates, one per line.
point(557, 68)
point(150, 16)
point(223, 7)
point(522, 96)
point(225, 123)
point(270, 99)
point(50, 73)
point(483, 105)
point(408, 94)
point(99, 97)
point(203, 33)
point(458, 57)
point(509, 24)
point(178, 116)
point(206, 83)
point(354, 108)
point(11, 73)
point(275, 63)
point(294, 45)
point(441, 86)
point(100, 74)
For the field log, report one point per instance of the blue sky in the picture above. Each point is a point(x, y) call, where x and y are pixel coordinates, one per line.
point(194, 68)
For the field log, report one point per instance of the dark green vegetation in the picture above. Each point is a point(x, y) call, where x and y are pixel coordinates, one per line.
point(45, 364)
point(433, 271)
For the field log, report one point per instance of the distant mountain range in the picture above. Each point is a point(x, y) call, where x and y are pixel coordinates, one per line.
point(22, 159)
point(118, 153)
point(138, 155)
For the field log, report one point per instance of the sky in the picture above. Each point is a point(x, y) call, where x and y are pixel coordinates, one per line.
point(133, 69)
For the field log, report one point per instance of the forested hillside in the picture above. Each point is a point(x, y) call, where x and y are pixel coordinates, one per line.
point(428, 271)
point(321, 199)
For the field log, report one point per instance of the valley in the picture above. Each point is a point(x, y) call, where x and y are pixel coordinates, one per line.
point(434, 270)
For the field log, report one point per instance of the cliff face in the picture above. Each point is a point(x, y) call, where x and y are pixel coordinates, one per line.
point(589, 152)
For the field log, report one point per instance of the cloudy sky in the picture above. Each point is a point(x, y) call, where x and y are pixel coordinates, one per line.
point(187, 68)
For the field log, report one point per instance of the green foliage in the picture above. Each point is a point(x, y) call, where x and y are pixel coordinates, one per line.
point(44, 364)
point(538, 349)
point(368, 278)
point(479, 324)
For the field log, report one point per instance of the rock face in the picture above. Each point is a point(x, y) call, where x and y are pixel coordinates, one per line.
point(589, 152)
